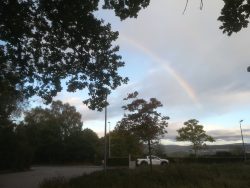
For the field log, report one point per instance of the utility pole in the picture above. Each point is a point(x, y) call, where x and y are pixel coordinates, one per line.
point(243, 144)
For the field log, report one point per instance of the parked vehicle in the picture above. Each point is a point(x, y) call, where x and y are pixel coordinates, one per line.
point(155, 161)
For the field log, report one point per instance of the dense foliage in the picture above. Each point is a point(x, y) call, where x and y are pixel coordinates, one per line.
point(56, 135)
point(234, 16)
point(51, 135)
point(125, 143)
point(43, 42)
point(15, 150)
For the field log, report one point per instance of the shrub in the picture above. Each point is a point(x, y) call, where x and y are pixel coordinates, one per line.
point(121, 161)
point(207, 160)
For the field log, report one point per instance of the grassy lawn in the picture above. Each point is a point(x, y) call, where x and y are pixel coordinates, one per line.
point(172, 176)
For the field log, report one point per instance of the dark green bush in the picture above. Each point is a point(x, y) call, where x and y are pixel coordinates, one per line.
point(121, 161)
point(15, 151)
point(207, 160)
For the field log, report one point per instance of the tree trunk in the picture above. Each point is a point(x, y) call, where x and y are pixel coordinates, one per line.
point(195, 151)
point(150, 155)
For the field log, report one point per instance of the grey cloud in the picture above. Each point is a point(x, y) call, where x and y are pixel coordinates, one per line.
point(219, 135)
point(213, 64)
point(113, 110)
point(228, 135)
point(231, 135)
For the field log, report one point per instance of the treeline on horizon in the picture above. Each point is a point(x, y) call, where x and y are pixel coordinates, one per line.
point(55, 135)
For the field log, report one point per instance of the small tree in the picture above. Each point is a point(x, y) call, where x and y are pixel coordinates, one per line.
point(144, 121)
point(195, 134)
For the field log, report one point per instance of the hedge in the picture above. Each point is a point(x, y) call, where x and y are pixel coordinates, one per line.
point(118, 161)
point(206, 159)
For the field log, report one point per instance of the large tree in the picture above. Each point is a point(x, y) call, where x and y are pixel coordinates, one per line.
point(43, 42)
point(194, 133)
point(63, 115)
point(143, 120)
point(53, 131)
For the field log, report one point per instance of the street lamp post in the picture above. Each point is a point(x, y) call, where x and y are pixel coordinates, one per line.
point(109, 141)
point(243, 144)
point(105, 139)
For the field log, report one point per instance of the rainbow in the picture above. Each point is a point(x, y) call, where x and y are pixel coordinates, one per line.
point(165, 65)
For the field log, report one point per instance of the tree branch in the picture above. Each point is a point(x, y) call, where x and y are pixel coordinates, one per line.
point(185, 8)
point(201, 5)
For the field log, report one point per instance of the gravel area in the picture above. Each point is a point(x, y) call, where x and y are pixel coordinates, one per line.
point(32, 178)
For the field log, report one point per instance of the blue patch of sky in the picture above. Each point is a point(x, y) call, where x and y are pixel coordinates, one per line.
point(2, 42)
point(136, 65)
point(108, 16)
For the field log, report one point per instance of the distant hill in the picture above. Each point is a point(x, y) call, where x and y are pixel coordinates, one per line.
point(176, 150)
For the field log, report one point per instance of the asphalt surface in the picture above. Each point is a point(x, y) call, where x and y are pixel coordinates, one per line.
point(32, 178)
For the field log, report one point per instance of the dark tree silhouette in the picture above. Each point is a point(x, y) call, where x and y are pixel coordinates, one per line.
point(126, 8)
point(234, 16)
point(50, 130)
point(56, 135)
point(43, 42)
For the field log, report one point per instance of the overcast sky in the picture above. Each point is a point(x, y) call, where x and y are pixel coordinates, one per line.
point(184, 61)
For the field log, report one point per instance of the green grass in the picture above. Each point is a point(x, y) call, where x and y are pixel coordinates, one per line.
point(173, 176)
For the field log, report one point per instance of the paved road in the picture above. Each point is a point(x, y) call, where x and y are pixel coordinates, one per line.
point(36, 175)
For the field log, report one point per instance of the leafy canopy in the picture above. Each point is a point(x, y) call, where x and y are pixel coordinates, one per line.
point(56, 134)
point(62, 117)
point(143, 119)
point(234, 15)
point(124, 142)
point(43, 42)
